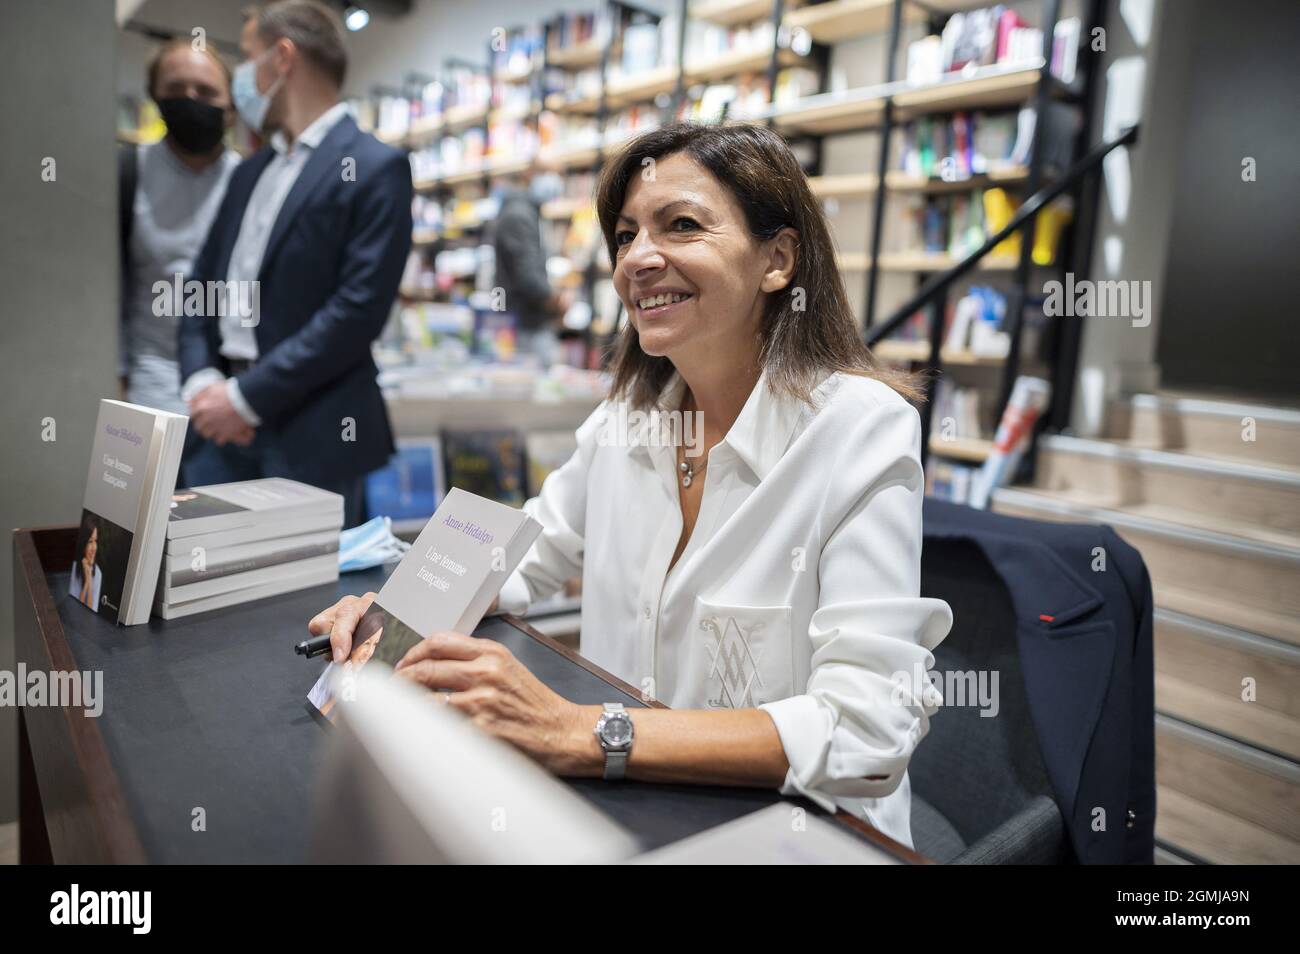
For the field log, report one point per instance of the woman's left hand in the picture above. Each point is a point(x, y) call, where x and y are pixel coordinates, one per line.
point(485, 681)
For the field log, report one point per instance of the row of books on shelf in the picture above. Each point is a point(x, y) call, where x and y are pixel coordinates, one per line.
point(950, 480)
point(966, 144)
point(958, 413)
point(973, 324)
point(993, 35)
point(501, 464)
point(516, 137)
point(959, 223)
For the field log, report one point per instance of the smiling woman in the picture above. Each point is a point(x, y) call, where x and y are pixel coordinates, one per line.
point(730, 205)
point(763, 579)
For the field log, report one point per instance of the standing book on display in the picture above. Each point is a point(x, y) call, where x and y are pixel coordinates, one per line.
point(134, 458)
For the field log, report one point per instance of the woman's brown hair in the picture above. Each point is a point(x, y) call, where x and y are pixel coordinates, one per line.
point(808, 328)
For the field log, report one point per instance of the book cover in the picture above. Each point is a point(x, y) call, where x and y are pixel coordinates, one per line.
point(133, 463)
point(486, 463)
point(411, 485)
point(456, 566)
point(547, 451)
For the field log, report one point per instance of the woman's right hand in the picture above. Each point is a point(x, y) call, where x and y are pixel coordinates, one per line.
point(340, 621)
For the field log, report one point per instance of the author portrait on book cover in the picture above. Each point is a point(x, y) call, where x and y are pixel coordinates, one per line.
point(763, 578)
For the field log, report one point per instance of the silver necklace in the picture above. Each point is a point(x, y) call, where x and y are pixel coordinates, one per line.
point(688, 472)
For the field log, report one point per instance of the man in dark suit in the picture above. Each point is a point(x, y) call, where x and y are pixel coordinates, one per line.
point(301, 267)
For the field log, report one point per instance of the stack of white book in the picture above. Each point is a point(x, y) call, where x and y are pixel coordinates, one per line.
point(232, 543)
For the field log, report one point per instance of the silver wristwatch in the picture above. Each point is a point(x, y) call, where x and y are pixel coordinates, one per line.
point(614, 731)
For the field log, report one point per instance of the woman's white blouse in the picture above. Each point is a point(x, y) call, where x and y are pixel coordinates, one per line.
point(798, 592)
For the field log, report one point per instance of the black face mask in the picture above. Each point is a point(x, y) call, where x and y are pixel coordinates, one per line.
point(196, 126)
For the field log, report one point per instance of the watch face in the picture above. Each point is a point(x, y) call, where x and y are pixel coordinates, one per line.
point(617, 730)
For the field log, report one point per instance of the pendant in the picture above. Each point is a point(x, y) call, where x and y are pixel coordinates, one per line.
point(687, 473)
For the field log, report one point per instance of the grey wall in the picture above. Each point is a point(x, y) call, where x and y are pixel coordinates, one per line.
point(1230, 305)
point(1144, 82)
point(58, 269)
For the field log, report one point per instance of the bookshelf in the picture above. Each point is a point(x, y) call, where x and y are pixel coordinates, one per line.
point(840, 20)
point(899, 105)
point(579, 120)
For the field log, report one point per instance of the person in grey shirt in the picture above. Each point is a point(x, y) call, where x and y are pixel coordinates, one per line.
point(521, 265)
point(170, 192)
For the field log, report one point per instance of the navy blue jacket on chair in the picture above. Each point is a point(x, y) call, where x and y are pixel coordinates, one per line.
point(328, 281)
point(1082, 609)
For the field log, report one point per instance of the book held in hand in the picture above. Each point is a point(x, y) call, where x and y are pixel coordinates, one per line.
point(446, 582)
point(133, 463)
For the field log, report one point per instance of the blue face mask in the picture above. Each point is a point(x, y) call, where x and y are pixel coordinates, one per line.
point(371, 544)
point(251, 104)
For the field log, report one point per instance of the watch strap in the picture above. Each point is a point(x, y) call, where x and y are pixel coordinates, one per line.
point(615, 759)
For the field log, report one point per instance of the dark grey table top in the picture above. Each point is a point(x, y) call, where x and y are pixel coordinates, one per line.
point(210, 712)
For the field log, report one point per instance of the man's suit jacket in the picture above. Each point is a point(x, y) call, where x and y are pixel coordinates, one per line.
point(1083, 615)
point(328, 280)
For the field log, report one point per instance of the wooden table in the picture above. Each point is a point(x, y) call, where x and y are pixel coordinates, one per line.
point(211, 712)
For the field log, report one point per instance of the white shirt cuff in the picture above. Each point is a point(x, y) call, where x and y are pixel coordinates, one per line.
point(803, 726)
point(514, 596)
point(823, 764)
point(242, 406)
point(198, 381)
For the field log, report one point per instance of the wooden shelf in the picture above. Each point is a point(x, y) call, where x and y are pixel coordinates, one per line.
point(644, 86)
point(559, 103)
point(939, 261)
point(563, 208)
point(461, 117)
point(831, 113)
point(844, 19)
point(576, 57)
point(858, 185)
point(1004, 89)
point(918, 262)
point(860, 109)
point(509, 115)
point(516, 76)
point(847, 186)
point(417, 294)
point(508, 167)
point(425, 127)
point(909, 351)
point(476, 171)
point(734, 12)
point(568, 158)
point(740, 61)
point(972, 449)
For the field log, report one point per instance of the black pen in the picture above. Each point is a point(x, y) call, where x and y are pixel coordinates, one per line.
point(316, 646)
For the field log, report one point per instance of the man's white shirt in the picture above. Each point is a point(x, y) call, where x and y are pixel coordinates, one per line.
point(798, 591)
point(238, 338)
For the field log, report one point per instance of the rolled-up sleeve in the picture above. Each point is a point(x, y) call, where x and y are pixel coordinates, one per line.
point(561, 508)
point(868, 701)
